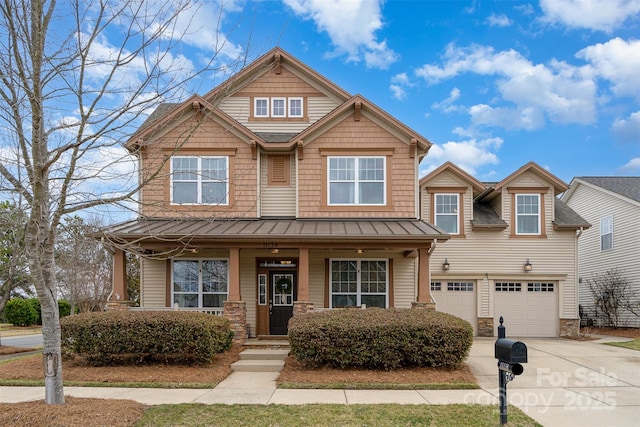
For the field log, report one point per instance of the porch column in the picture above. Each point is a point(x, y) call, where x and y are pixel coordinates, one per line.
point(424, 281)
point(119, 299)
point(302, 303)
point(234, 275)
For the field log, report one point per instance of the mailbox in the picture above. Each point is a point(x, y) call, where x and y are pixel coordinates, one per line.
point(510, 351)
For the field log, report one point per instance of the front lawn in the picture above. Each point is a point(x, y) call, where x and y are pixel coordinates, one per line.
point(633, 345)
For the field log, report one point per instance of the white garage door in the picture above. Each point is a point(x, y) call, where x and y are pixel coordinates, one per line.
point(457, 298)
point(528, 309)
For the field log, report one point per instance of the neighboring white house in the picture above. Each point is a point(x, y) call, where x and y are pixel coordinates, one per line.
point(612, 206)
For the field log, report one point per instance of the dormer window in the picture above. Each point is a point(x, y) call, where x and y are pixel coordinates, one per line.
point(527, 214)
point(447, 212)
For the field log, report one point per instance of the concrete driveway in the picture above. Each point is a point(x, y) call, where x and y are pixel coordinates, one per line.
point(568, 383)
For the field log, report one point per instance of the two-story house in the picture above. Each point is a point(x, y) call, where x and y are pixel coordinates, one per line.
point(277, 192)
point(512, 252)
point(612, 205)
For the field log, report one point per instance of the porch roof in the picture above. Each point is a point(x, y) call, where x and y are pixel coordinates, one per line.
point(382, 232)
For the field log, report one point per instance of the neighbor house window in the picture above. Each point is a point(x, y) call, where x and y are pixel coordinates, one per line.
point(199, 180)
point(359, 282)
point(447, 212)
point(527, 214)
point(606, 233)
point(278, 107)
point(200, 283)
point(261, 107)
point(357, 181)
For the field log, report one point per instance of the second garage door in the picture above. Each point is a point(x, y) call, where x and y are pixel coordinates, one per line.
point(529, 309)
point(457, 298)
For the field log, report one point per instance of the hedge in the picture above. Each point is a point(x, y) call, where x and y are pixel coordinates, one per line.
point(20, 312)
point(380, 338)
point(125, 337)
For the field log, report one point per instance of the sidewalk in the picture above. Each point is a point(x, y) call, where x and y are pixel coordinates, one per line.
point(565, 383)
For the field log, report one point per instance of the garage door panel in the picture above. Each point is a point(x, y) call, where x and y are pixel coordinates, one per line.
point(457, 300)
point(529, 312)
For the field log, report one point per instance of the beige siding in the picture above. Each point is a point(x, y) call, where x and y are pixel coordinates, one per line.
point(593, 204)
point(248, 285)
point(278, 201)
point(153, 283)
point(404, 280)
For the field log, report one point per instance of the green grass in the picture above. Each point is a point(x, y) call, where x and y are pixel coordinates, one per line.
point(383, 386)
point(330, 415)
point(633, 345)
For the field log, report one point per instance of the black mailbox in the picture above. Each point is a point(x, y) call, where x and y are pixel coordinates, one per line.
point(510, 351)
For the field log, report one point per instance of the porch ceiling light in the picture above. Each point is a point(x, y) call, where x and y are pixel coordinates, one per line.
point(445, 265)
point(527, 266)
point(275, 251)
point(359, 251)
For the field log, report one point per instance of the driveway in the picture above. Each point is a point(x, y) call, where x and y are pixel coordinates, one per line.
point(567, 382)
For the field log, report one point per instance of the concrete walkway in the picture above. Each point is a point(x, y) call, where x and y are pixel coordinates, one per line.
point(565, 383)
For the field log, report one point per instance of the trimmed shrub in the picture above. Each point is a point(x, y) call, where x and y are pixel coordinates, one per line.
point(125, 337)
point(380, 338)
point(64, 308)
point(20, 312)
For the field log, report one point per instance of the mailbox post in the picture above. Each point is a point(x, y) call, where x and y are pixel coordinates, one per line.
point(510, 355)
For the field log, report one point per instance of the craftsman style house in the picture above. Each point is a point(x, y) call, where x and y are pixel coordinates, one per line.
point(612, 205)
point(275, 194)
point(512, 252)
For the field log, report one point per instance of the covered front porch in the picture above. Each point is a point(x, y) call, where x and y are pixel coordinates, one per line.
point(259, 273)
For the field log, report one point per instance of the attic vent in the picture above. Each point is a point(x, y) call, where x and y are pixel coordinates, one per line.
point(278, 171)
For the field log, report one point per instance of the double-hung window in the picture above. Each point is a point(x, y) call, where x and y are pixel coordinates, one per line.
point(447, 212)
point(261, 107)
point(295, 107)
point(606, 233)
point(357, 180)
point(359, 282)
point(527, 214)
point(278, 107)
point(200, 180)
point(200, 283)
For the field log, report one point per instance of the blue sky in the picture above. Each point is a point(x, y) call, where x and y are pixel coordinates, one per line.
point(493, 85)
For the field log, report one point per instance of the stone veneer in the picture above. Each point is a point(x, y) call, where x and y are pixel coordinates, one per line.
point(236, 312)
point(302, 307)
point(569, 327)
point(424, 305)
point(485, 326)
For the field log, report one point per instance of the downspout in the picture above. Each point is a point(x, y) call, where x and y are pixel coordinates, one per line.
point(577, 278)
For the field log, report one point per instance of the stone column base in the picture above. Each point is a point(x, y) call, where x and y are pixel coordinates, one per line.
point(485, 326)
point(302, 307)
point(236, 312)
point(118, 305)
point(569, 327)
point(424, 305)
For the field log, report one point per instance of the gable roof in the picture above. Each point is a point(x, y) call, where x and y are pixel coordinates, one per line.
point(621, 186)
point(477, 185)
point(558, 185)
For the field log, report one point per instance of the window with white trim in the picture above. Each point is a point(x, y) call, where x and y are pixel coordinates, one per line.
point(606, 233)
point(359, 282)
point(199, 180)
point(261, 107)
point(447, 212)
point(357, 180)
point(200, 283)
point(278, 107)
point(527, 214)
point(296, 107)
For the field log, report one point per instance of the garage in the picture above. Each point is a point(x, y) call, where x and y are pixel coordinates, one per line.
point(457, 298)
point(529, 309)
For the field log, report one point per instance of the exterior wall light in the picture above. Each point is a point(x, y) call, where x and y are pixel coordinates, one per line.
point(527, 266)
point(445, 265)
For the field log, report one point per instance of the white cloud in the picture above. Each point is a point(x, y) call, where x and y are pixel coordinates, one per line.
point(602, 15)
point(527, 118)
point(617, 61)
point(627, 131)
point(558, 91)
point(501, 20)
point(399, 85)
point(470, 155)
point(351, 25)
point(631, 167)
point(447, 105)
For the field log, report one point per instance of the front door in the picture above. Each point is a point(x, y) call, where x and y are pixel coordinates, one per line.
point(281, 296)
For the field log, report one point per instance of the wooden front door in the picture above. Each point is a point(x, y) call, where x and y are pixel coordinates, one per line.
point(282, 293)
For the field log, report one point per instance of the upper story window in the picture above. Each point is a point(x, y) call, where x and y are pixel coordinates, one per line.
point(357, 180)
point(527, 214)
point(606, 233)
point(447, 212)
point(278, 107)
point(200, 180)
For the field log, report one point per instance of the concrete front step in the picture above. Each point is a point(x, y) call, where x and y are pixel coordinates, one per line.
point(264, 354)
point(258, 366)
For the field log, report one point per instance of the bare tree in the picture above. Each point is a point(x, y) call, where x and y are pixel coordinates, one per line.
point(613, 297)
point(69, 95)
